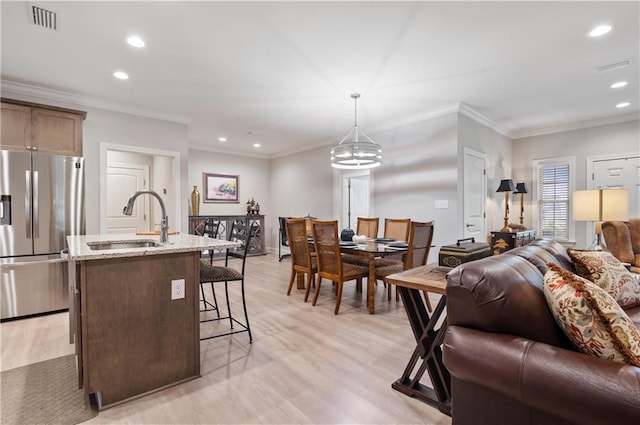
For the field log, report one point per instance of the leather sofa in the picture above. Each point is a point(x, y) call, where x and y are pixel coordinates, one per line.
point(623, 240)
point(509, 361)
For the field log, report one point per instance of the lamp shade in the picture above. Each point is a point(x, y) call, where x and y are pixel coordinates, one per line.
point(506, 186)
point(521, 188)
point(601, 205)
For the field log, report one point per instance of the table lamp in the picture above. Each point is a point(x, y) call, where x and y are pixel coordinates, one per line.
point(521, 189)
point(600, 205)
point(506, 186)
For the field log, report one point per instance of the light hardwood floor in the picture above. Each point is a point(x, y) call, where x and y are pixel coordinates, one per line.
point(305, 365)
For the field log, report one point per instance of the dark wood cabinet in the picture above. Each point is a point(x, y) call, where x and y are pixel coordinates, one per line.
point(504, 241)
point(257, 247)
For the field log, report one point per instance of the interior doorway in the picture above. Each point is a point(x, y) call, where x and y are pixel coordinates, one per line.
point(124, 179)
point(620, 172)
point(161, 176)
point(474, 195)
point(356, 194)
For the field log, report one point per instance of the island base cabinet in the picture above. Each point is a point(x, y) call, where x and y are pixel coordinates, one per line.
point(135, 338)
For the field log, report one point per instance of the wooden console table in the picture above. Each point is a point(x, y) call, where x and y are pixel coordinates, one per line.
point(257, 246)
point(411, 284)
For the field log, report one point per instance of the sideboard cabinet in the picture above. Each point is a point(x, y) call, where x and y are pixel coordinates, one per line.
point(504, 241)
point(201, 225)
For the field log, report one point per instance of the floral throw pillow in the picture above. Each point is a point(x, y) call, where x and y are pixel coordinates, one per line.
point(606, 271)
point(590, 317)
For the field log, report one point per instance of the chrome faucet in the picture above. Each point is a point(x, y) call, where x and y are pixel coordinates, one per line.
point(164, 224)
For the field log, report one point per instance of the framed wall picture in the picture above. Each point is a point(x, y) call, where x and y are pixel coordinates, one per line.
point(220, 188)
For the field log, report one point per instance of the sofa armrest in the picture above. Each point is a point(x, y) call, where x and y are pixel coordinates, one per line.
point(566, 384)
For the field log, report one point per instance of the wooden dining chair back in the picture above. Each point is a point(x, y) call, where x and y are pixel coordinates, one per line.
point(330, 265)
point(301, 259)
point(368, 226)
point(418, 247)
point(420, 238)
point(397, 228)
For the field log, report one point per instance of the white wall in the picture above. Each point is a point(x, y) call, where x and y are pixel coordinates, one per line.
point(497, 147)
point(253, 182)
point(419, 167)
point(622, 138)
point(301, 184)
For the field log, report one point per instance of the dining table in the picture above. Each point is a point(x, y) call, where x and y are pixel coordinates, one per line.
point(372, 249)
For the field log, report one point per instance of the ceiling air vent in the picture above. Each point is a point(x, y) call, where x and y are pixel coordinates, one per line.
point(612, 66)
point(42, 17)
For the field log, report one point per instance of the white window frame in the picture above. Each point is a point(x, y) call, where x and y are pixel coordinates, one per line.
point(537, 164)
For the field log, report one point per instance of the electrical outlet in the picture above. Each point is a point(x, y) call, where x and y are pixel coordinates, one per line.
point(177, 289)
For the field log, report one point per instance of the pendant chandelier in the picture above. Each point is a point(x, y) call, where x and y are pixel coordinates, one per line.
point(356, 150)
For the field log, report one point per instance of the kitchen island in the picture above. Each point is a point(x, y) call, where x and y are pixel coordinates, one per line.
point(134, 314)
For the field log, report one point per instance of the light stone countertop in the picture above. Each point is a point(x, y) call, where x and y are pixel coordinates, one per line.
point(79, 250)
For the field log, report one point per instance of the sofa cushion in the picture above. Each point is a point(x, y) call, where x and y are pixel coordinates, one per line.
point(536, 256)
point(617, 236)
point(558, 251)
point(502, 293)
point(606, 271)
point(634, 315)
point(590, 317)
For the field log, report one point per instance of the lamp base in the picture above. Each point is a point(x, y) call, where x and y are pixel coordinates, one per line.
point(598, 243)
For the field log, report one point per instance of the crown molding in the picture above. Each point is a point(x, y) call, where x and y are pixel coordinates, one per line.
point(11, 87)
point(467, 111)
point(578, 125)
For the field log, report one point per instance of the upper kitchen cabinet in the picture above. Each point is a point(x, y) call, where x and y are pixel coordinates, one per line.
point(27, 126)
point(16, 127)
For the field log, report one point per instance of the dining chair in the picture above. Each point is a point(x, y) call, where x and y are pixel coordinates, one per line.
point(330, 265)
point(301, 259)
point(367, 226)
point(397, 228)
point(418, 247)
point(284, 240)
point(209, 273)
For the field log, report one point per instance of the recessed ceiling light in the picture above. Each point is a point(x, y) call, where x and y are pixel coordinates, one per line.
point(135, 41)
point(121, 75)
point(618, 84)
point(222, 139)
point(256, 145)
point(600, 30)
point(622, 105)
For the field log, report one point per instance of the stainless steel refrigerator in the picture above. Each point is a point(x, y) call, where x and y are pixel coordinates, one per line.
point(41, 202)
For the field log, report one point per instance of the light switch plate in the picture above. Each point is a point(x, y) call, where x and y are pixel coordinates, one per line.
point(177, 289)
point(441, 204)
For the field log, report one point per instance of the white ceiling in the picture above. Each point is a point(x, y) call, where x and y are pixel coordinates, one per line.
point(281, 73)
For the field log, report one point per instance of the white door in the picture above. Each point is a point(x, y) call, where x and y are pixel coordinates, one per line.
point(474, 195)
point(355, 199)
point(620, 172)
point(123, 180)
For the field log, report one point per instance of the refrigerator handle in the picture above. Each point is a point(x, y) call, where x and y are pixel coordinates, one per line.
point(27, 202)
point(36, 209)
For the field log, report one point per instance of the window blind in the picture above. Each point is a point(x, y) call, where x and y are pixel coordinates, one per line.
point(553, 201)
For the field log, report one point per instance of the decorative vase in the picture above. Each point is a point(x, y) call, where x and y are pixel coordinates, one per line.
point(346, 235)
point(195, 201)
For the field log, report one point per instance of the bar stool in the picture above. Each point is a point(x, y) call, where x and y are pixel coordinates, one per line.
point(212, 274)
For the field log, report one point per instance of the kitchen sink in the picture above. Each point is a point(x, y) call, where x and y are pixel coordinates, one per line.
point(103, 245)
